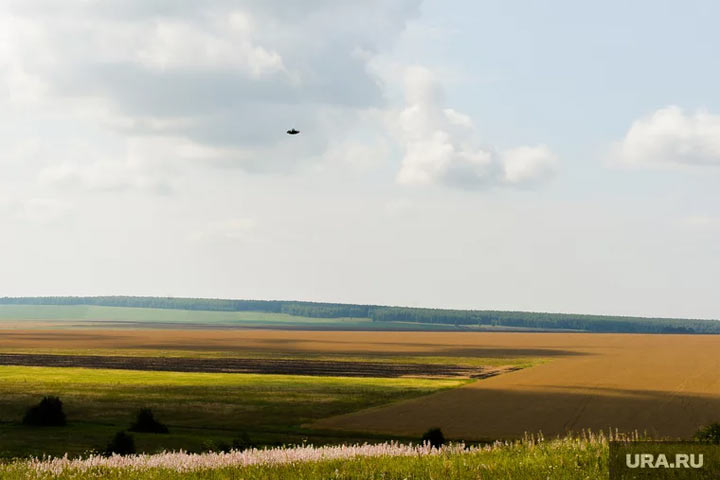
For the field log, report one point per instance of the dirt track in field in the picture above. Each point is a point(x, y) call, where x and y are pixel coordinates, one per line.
point(247, 365)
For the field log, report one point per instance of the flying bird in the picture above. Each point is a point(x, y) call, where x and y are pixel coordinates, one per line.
point(292, 131)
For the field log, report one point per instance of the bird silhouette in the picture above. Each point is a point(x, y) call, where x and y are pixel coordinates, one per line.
point(292, 131)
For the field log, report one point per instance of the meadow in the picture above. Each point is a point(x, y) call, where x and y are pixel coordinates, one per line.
point(88, 316)
point(68, 316)
point(201, 409)
point(562, 459)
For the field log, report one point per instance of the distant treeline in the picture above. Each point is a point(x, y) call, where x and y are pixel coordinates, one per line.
point(465, 318)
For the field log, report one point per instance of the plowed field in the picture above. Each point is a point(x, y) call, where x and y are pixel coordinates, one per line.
point(249, 365)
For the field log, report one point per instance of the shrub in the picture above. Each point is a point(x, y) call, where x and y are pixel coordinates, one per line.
point(145, 422)
point(242, 442)
point(239, 443)
point(121, 444)
point(709, 434)
point(434, 437)
point(49, 412)
point(217, 446)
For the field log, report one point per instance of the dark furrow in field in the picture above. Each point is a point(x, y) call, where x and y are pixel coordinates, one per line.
point(249, 365)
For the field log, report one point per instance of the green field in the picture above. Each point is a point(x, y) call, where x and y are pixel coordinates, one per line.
point(69, 316)
point(200, 408)
point(90, 315)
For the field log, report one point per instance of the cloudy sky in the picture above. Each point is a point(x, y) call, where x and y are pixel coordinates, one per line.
point(554, 156)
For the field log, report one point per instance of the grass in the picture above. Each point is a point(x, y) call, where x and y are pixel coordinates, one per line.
point(562, 459)
point(198, 407)
point(74, 314)
point(71, 316)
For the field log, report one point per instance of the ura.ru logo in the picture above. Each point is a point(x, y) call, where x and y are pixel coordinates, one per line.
point(648, 460)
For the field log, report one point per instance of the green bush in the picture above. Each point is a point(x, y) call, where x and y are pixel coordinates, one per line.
point(217, 446)
point(145, 422)
point(121, 444)
point(242, 442)
point(434, 437)
point(49, 412)
point(709, 434)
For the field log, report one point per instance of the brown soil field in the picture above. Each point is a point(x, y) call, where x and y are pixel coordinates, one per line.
point(461, 344)
point(249, 365)
point(665, 385)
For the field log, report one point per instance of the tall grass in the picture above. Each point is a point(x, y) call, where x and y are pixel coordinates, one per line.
point(572, 457)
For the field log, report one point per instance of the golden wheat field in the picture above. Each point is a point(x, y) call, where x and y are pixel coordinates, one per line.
point(667, 385)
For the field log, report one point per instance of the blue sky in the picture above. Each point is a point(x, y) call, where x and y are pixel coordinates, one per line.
point(550, 156)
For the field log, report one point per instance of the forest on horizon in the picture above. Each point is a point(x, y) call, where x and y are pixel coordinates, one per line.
point(379, 313)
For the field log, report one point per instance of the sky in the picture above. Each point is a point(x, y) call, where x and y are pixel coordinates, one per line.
point(547, 156)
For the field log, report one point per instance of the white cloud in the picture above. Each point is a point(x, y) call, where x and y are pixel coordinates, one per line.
point(181, 44)
point(441, 145)
point(527, 165)
point(671, 137)
point(219, 85)
point(457, 118)
point(227, 77)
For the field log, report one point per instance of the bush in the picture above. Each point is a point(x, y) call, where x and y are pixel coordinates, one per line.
point(121, 444)
point(239, 443)
point(709, 434)
point(217, 446)
point(242, 442)
point(49, 412)
point(434, 437)
point(145, 422)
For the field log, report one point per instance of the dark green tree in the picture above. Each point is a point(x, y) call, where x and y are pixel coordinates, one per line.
point(146, 422)
point(709, 434)
point(434, 437)
point(242, 442)
point(121, 444)
point(49, 412)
